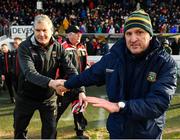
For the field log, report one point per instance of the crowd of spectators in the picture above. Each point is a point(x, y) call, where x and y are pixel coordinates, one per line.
point(92, 16)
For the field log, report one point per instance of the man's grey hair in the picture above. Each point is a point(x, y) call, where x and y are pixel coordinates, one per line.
point(43, 18)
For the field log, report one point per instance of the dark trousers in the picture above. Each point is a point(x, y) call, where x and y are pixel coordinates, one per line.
point(8, 82)
point(15, 82)
point(24, 110)
point(63, 102)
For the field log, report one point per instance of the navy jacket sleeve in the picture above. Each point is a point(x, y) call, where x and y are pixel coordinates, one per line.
point(95, 75)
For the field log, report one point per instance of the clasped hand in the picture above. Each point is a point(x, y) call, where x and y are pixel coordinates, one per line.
point(58, 85)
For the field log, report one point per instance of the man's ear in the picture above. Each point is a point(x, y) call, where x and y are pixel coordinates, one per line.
point(52, 29)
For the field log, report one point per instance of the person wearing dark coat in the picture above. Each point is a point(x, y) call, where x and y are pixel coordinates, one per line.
point(78, 55)
point(40, 55)
point(140, 78)
point(6, 70)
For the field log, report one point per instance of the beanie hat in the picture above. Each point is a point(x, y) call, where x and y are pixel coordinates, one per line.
point(140, 19)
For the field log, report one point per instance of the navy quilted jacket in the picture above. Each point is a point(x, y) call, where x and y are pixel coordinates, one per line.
point(146, 83)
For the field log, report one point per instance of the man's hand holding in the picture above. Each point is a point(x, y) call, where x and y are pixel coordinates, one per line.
point(58, 85)
point(82, 100)
point(60, 90)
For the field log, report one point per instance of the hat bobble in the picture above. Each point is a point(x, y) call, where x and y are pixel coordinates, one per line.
point(140, 19)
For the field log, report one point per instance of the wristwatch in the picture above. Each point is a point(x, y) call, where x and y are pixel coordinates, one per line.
point(121, 105)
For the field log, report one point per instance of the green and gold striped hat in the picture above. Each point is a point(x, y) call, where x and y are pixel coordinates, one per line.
point(139, 19)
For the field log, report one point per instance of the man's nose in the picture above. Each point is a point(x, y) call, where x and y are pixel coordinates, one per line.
point(133, 37)
point(41, 33)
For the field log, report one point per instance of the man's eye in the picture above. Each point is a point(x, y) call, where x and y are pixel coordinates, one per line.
point(140, 32)
point(128, 33)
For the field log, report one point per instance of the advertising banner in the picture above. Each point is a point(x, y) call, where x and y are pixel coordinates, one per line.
point(21, 31)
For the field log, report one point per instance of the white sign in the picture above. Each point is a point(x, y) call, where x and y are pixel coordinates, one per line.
point(39, 5)
point(21, 31)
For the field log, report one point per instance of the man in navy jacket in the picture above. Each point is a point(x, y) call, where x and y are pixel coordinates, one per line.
point(140, 78)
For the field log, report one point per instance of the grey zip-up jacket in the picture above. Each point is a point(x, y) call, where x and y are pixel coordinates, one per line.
point(38, 66)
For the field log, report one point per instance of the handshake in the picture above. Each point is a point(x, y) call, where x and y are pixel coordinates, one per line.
point(111, 107)
point(58, 85)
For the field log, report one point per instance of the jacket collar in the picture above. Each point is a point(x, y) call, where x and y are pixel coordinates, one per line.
point(35, 42)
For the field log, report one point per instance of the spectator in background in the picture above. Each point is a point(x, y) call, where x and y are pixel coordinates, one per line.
point(15, 63)
point(104, 47)
point(96, 46)
point(6, 70)
point(22, 12)
point(111, 30)
point(78, 55)
point(65, 23)
point(89, 46)
point(140, 78)
point(173, 29)
point(82, 27)
point(175, 46)
point(167, 47)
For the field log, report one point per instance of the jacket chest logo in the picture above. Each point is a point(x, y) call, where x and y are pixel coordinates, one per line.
point(151, 77)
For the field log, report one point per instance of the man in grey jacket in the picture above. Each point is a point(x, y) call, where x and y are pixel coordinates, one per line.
point(40, 55)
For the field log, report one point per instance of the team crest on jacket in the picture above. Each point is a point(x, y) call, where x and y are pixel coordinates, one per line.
point(151, 76)
point(53, 53)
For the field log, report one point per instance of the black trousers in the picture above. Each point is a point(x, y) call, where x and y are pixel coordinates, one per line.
point(8, 82)
point(63, 102)
point(15, 82)
point(24, 110)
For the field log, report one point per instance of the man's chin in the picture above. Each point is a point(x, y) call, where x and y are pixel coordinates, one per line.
point(135, 52)
point(43, 44)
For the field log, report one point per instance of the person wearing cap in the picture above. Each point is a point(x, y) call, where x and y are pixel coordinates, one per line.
point(166, 46)
point(140, 78)
point(78, 54)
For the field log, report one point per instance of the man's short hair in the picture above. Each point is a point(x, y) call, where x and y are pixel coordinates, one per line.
point(18, 38)
point(43, 18)
point(4, 44)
